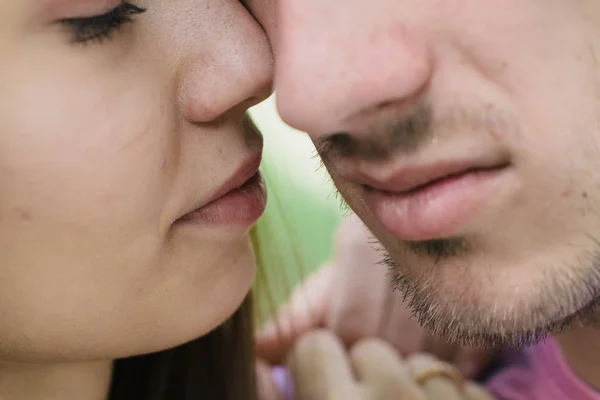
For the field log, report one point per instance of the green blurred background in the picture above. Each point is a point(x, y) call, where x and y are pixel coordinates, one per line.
point(302, 207)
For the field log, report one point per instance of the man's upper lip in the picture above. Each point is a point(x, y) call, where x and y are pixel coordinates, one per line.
point(410, 178)
point(246, 170)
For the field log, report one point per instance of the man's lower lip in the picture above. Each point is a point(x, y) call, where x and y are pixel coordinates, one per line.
point(240, 207)
point(436, 210)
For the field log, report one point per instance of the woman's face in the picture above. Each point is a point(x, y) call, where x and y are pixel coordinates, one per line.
point(106, 146)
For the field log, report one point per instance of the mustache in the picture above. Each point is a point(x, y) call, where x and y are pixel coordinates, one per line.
point(410, 133)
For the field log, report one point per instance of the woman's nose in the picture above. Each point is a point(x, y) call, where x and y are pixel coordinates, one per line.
point(234, 71)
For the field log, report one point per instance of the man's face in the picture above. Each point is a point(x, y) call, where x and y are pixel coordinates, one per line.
point(466, 134)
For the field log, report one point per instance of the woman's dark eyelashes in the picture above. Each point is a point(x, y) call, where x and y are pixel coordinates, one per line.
point(100, 27)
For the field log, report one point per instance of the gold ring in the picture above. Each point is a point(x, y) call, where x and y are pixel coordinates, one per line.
point(439, 370)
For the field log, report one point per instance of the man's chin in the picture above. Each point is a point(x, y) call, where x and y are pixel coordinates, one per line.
point(495, 307)
point(494, 331)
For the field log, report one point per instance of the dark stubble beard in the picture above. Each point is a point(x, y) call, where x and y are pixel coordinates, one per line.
point(457, 320)
point(559, 300)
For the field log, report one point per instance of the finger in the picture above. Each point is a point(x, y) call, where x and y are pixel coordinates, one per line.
point(267, 388)
point(470, 361)
point(435, 383)
point(359, 294)
point(304, 311)
point(379, 367)
point(399, 327)
point(476, 392)
point(319, 366)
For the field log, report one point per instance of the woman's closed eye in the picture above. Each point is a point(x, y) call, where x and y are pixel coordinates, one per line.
point(101, 27)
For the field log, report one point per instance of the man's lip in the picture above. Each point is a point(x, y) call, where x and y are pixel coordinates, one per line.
point(441, 208)
point(411, 178)
point(245, 171)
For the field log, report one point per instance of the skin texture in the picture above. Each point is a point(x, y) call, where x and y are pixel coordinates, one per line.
point(395, 84)
point(103, 146)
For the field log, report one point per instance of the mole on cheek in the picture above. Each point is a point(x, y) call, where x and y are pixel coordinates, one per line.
point(24, 215)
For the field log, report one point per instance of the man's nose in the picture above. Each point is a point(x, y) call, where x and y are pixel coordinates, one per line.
point(340, 63)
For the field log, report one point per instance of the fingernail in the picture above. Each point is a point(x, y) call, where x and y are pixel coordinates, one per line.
point(283, 380)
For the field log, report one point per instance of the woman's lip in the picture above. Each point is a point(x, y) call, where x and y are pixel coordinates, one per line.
point(438, 209)
point(240, 206)
point(247, 169)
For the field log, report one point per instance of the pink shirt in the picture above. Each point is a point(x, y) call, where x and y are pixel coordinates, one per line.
point(541, 374)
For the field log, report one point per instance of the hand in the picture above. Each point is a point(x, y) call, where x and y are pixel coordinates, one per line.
point(266, 387)
point(372, 370)
point(352, 297)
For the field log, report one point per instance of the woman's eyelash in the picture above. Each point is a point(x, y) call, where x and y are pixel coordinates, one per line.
point(100, 27)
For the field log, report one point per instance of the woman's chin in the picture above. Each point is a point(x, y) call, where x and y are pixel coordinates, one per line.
point(185, 326)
